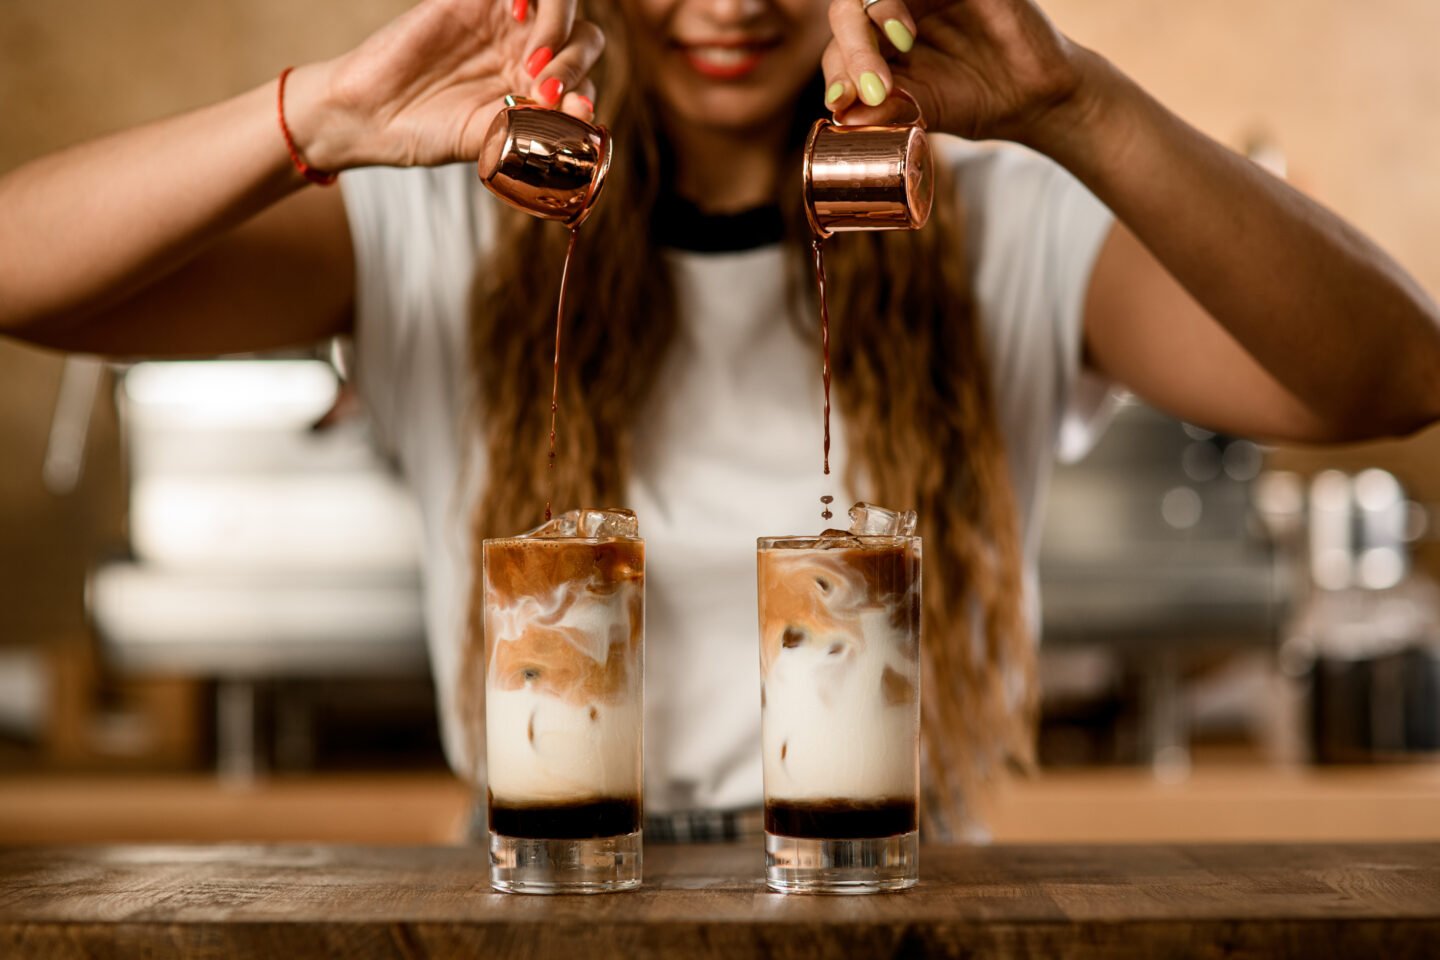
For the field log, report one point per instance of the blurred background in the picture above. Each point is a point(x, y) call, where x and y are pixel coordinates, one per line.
point(199, 639)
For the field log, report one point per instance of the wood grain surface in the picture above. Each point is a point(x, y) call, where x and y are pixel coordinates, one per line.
point(1000, 901)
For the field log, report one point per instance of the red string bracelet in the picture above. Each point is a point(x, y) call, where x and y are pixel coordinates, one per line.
point(321, 177)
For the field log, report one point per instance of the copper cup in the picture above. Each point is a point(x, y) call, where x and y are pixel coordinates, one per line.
point(868, 177)
point(545, 162)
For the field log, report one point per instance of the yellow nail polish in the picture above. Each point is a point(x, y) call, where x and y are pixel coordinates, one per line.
point(836, 91)
point(899, 35)
point(872, 91)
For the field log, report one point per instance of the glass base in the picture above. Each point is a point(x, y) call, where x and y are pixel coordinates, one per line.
point(874, 865)
point(598, 865)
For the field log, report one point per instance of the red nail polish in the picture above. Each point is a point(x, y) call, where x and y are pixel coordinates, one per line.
point(518, 9)
point(589, 107)
point(550, 91)
point(538, 60)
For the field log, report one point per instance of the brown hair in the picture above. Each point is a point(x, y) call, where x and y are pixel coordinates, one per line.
point(911, 380)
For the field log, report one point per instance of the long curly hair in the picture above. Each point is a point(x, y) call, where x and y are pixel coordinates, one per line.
point(913, 385)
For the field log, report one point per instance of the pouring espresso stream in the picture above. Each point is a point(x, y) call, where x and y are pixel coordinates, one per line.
point(552, 166)
point(862, 177)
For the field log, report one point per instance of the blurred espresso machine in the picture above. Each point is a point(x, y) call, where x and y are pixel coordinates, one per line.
point(1191, 592)
point(1364, 643)
point(1153, 568)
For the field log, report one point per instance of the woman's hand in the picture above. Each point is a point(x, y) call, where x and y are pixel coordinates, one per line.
point(1282, 320)
point(116, 245)
point(424, 89)
point(981, 69)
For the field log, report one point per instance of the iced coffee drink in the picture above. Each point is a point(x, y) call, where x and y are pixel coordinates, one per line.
point(840, 705)
point(564, 648)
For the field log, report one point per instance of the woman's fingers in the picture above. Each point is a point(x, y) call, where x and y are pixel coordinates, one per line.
point(567, 69)
point(553, 23)
point(839, 88)
point(854, 33)
point(895, 21)
point(580, 103)
point(843, 99)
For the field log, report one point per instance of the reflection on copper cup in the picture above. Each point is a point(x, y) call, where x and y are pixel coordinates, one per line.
point(870, 177)
point(545, 162)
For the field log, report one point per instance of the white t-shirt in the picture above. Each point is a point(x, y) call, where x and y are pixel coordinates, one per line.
point(729, 449)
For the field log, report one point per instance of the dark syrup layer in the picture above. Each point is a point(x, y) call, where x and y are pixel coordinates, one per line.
point(566, 821)
point(840, 819)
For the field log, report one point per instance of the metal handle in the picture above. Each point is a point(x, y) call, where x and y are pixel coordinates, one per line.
point(901, 93)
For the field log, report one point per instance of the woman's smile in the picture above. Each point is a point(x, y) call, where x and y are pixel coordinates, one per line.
point(728, 59)
point(728, 66)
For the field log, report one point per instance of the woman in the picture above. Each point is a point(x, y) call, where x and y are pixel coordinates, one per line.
point(1126, 249)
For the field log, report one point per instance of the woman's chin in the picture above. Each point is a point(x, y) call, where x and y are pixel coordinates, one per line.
point(732, 110)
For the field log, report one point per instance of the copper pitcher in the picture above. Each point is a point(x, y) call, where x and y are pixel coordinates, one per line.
point(545, 162)
point(868, 177)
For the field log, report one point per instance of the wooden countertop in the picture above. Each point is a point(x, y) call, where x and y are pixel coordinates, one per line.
point(1216, 804)
point(292, 901)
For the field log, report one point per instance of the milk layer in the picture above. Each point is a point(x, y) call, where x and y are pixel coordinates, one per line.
point(828, 732)
point(572, 755)
point(841, 706)
point(564, 694)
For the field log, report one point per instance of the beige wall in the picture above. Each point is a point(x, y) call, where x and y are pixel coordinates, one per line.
point(70, 69)
point(1350, 90)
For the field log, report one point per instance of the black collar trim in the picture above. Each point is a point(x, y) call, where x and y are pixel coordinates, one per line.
point(680, 225)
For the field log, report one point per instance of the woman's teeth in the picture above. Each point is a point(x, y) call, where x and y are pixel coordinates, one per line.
point(724, 56)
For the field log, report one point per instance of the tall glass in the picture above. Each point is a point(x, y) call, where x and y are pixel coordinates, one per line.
point(840, 706)
point(564, 680)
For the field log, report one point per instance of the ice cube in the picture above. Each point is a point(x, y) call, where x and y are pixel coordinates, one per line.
point(597, 523)
point(868, 520)
point(833, 539)
point(605, 522)
point(561, 525)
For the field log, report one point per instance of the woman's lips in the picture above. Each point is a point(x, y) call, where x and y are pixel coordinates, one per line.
point(725, 60)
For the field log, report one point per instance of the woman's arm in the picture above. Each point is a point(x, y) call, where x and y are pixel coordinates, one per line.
point(1316, 333)
point(1225, 296)
point(1144, 330)
point(195, 235)
point(172, 238)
